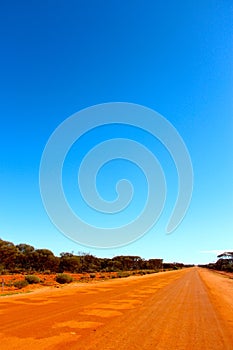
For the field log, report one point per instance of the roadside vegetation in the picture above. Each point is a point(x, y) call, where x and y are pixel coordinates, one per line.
point(26, 261)
point(224, 263)
point(63, 278)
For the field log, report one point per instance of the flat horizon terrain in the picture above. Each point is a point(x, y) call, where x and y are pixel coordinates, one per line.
point(186, 309)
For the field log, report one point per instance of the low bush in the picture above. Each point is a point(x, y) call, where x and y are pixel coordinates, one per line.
point(20, 284)
point(92, 275)
point(63, 278)
point(123, 274)
point(32, 279)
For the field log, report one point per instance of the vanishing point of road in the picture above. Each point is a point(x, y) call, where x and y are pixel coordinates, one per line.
point(189, 309)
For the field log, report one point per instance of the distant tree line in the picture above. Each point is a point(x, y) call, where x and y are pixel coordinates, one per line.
point(224, 263)
point(25, 258)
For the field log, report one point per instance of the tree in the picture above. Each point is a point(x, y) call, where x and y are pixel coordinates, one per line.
point(155, 264)
point(69, 262)
point(8, 255)
point(225, 263)
point(44, 259)
point(227, 255)
point(25, 256)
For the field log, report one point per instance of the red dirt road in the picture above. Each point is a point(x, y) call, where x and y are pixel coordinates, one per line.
point(186, 309)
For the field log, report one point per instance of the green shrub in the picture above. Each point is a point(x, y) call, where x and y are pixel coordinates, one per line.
point(32, 279)
point(92, 275)
point(123, 274)
point(63, 278)
point(20, 284)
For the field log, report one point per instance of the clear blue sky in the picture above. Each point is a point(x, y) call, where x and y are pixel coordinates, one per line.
point(176, 57)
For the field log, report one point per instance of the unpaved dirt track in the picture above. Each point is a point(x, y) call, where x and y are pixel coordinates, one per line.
point(186, 309)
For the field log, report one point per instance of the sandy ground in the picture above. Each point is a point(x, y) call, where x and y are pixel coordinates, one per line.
point(186, 309)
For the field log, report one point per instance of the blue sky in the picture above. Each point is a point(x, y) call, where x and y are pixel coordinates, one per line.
point(176, 57)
